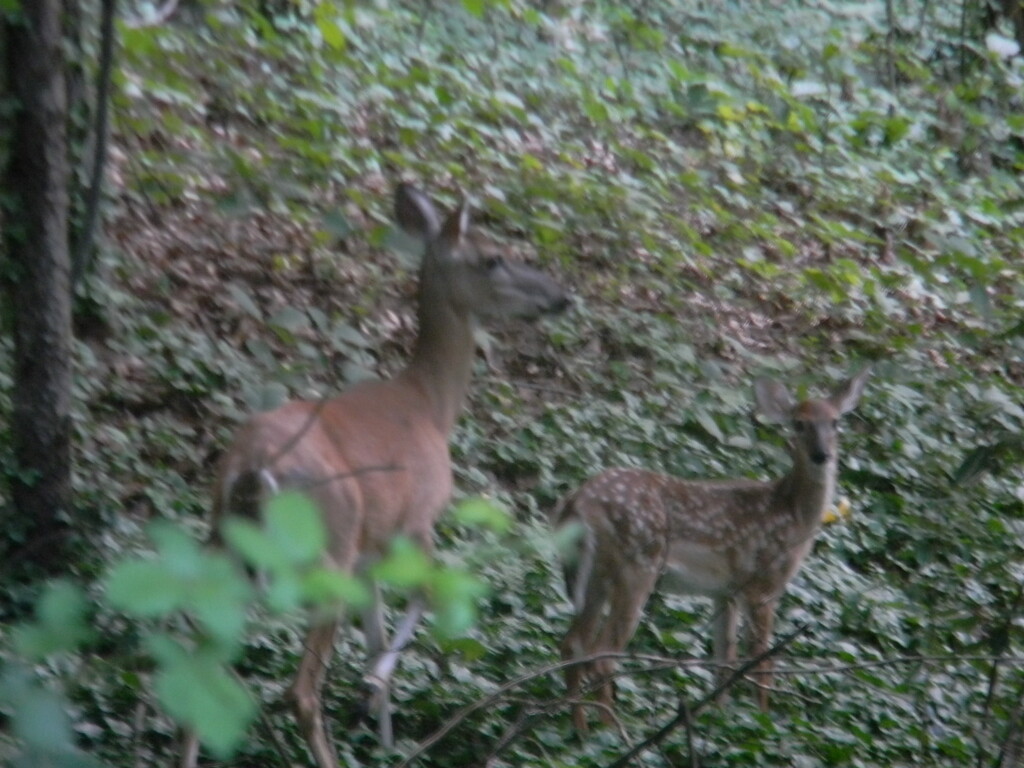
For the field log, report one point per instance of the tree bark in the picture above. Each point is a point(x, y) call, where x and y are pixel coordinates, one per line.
point(1014, 10)
point(36, 282)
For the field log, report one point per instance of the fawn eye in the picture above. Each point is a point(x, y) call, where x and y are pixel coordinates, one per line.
point(493, 262)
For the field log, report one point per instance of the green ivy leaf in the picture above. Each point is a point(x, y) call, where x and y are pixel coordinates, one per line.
point(475, 7)
point(244, 300)
point(468, 648)
point(284, 591)
point(482, 513)
point(179, 552)
point(199, 692)
point(337, 224)
point(454, 594)
point(288, 320)
point(333, 34)
point(145, 588)
point(295, 524)
point(39, 721)
point(220, 598)
point(324, 586)
point(254, 544)
point(60, 623)
point(405, 567)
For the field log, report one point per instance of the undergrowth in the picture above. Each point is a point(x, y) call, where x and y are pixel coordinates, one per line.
point(731, 189)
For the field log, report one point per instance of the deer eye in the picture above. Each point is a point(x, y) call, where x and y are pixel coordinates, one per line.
point(493, 262)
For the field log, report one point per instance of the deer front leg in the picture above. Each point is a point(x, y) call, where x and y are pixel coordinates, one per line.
point(581, 641)
point(762, 624)
point(629, 593)
point(725, 641)
point(375, 695)
point(306, 692)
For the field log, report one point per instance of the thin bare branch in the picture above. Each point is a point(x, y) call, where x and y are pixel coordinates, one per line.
point(685, 713)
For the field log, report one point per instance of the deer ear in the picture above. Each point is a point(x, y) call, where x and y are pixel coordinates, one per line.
point(773, 400)
point(848, 393)
point(415, 213)
point(455, 227)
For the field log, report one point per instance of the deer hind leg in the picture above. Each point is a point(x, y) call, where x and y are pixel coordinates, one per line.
point(189, 750)
point(581, 641)
point(726, 617)
point(762, 624)
point(306, 692)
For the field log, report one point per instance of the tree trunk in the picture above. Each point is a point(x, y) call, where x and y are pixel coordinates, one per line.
point(36, 282)
point(1014, 10)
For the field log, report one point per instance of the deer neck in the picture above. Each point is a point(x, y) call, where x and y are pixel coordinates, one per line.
point(442, 358)
point(808, 488)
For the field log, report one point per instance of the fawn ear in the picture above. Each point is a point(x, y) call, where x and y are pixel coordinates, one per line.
point(848, 393)
point(773, 400)
point(415, 213)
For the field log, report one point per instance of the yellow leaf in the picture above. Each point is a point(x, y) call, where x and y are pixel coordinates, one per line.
point(838, 511)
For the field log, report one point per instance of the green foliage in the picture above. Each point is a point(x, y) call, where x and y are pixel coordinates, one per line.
point(288, 549)
point(482, 513)
point(193, 682)
point(38, 717)
point(201, 694)
point(731, 189)
point(60, 623)
point(182, 578)
point(40, 723)
point(452, 591)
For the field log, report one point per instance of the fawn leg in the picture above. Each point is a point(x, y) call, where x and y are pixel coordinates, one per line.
point(762, 624)
point(628, 597)
point(726, 616)
point(580, 642)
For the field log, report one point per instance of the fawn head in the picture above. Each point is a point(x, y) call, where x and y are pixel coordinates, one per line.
point(815, 422)
point(473, 274)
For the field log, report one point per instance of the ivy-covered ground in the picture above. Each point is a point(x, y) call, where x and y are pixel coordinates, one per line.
point(730, 190)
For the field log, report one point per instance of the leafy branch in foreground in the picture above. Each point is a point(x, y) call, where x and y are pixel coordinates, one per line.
point(193, 680)
point(38, 716)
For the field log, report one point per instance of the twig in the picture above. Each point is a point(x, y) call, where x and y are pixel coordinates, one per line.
point(993, 681)
point(83, 253)
point(138, 724)
point(500, 692)
point(663, 662)
point(684, 714)
point(469, 709)
point(1012, 746)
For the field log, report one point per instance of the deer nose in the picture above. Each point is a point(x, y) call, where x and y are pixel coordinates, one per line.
point(559, 305)
point(819, 457)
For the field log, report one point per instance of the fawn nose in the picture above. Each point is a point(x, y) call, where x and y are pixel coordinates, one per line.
point(819, 457)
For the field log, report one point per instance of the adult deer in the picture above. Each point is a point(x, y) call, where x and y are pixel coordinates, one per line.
point(375, 459)
point(737, 541)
